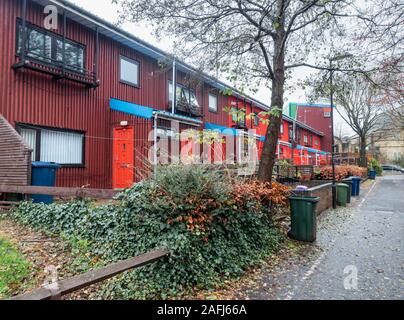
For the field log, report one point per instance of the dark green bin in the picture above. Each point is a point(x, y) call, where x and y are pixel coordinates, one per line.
point(303, 218)
point(348, 182)
point(343, 193)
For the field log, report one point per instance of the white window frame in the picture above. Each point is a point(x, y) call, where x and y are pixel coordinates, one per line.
point(129, 82)
point(215, 97)
point(39, 130)
point(183, 93)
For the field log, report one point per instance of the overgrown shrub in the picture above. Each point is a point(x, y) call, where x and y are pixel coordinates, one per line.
point(341, 172)
point(213, 229)
point(375, 165)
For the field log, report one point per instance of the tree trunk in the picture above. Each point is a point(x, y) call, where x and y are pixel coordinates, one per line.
point(275, 120)
point(362, 153)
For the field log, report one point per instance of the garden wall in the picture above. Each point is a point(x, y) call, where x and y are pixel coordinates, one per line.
point(323, 191)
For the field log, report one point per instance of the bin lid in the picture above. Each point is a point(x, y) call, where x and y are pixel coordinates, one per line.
point(308, 199)
point(342, 185)
point(356, 178)
point(51, 165)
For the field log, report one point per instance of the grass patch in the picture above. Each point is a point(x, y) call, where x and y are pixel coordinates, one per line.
point(14, 269)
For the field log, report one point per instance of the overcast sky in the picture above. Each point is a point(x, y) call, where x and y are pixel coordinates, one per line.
point(108, 11)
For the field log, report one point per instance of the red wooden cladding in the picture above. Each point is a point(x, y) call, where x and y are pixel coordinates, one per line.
point(33, 98)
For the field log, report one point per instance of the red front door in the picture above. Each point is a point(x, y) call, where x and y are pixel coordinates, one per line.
point(123, 158)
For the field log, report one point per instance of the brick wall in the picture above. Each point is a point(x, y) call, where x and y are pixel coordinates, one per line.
point(323, 191)
point(15, 157)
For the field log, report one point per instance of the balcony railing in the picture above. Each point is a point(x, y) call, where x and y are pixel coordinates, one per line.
point(186, 109)
point(57, 69)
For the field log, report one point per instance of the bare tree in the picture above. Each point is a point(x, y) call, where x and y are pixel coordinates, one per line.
point(251, 41)
point(391, 96)
point(357, 101)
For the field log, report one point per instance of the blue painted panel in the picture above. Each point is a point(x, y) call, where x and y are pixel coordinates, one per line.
point(131, 108)
point(222, 129)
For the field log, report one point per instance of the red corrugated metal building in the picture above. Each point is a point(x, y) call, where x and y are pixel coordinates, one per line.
point(81, 94)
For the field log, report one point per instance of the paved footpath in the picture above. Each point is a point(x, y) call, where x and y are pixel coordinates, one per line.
point(359, 252)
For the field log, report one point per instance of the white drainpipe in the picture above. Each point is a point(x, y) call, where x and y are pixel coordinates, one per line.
point(174, 97)
point(155, 143)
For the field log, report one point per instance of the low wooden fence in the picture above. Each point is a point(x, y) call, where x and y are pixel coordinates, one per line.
point(60, 192)
point(76, 283)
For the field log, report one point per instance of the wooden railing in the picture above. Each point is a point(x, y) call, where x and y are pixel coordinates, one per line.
point(79, 282)
point(61, 192)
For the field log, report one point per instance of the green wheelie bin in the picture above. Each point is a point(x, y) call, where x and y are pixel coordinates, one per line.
point(303, 218)
point(342, 194)
point(348, 182)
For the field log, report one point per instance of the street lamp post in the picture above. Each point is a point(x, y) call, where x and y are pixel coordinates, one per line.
point(334, 182)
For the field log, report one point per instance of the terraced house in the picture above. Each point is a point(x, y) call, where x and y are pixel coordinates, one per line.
point(86, 95)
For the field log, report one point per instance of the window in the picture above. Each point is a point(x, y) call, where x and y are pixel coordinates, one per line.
point(51, 145)
point(46, 46)
point(256, 120)
point(281, 129)
point(291, 134)
point(327, 114)
point(234, 114)
point(306, 140)
point(183, 95)
point(316, 142)
point(212, 102)
point(311, 139)
point(129, 71)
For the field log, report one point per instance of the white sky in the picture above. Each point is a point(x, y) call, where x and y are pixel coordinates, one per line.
point(108, 11)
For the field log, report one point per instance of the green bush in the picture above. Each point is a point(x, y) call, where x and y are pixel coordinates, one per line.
point(211, 236)
point(375, 165)
point(14, 269)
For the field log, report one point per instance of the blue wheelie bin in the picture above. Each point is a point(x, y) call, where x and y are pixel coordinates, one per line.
point(356, 186)
point(372, 174)
point(43, 174)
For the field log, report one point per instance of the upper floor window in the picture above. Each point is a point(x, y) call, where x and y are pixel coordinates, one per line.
point(234, 114)
point(212, 102)
point(46, 46)
point(129, 71)
point(256, 119)
point(281, 129)
point(183, 95)
point(305, 139)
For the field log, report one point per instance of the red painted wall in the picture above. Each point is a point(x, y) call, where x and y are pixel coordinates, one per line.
point(314, 117)
point(34, 98)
